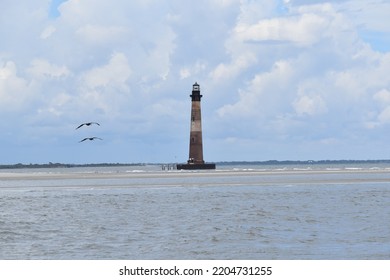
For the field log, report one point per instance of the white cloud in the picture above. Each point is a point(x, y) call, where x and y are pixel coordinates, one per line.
point(55, 106)
point(41, 68)
point(115, 73)
point(310, 105)
point(48, 31)
point(185, 73)
point(101, 34)
point(383, 97)
point(384, 116)
point(302, 30)
point(230, 71)
point(368, 14)
point(14, 90)
point(264, 94)
point(224, 3)
point(193, 70)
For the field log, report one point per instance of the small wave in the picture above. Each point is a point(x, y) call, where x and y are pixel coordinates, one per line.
point(281, 169)
point(375, 168)
point(302, 169)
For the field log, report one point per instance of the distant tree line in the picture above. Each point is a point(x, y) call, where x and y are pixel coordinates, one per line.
point(64, 165)
point(287, 162)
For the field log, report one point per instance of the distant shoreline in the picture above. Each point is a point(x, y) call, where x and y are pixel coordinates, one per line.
point(64, 165)
point(223, 163)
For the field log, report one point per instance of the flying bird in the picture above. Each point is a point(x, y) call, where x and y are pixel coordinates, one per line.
point(90, 138)
point(87, 124)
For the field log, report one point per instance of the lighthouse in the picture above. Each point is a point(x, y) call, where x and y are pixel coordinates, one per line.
point(195, 159)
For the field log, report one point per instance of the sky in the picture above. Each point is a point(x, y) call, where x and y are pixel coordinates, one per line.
point(280, 79)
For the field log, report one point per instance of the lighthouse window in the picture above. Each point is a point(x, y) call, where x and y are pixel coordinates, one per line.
point(193, 139)
point(193, 118)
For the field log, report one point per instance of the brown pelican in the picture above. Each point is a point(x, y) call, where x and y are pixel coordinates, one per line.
point(87, 124)
point(90, 138)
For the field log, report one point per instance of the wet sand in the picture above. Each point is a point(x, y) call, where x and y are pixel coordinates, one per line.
point(217, 177)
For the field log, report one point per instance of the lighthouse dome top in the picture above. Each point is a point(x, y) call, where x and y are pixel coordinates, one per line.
point(196, 87)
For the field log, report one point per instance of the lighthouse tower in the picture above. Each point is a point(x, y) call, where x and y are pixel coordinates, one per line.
point(196, 145)
point(195, 160)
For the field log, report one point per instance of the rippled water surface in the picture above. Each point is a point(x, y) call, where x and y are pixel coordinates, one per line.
point(230, 213)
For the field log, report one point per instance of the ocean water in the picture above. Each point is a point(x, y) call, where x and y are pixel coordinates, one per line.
point(234, 212)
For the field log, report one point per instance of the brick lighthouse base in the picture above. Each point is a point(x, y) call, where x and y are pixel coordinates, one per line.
point(194, 166)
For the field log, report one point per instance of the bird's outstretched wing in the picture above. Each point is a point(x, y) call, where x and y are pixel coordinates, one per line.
point(83, 140)
point(93, 138)
point(80, 125)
